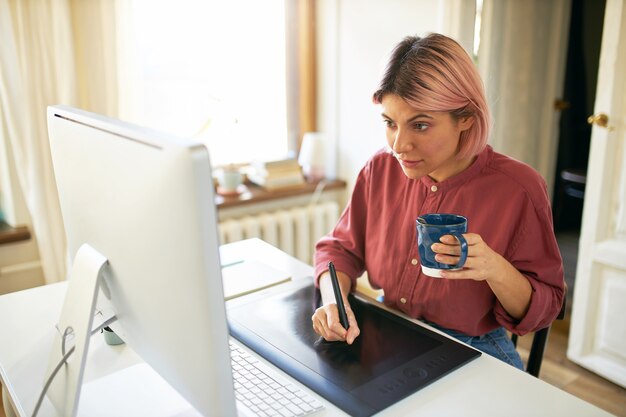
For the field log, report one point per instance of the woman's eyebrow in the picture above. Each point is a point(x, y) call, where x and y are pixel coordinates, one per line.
point(417, 116)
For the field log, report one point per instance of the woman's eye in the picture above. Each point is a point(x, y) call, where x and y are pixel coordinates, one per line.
point(388, 123)
point(420, 126)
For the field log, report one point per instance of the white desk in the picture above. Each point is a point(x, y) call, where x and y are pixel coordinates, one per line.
point(484, 387)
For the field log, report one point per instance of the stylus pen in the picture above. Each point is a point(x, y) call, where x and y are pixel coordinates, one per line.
point(343, 317)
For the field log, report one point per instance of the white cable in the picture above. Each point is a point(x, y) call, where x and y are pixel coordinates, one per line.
point(63, 360)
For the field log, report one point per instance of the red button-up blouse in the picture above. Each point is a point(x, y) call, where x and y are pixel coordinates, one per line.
point(504, 200)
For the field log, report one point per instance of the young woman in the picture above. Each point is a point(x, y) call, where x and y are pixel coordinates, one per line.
point(438, 161)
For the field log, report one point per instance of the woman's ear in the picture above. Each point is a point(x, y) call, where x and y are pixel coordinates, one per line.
point(466, 122)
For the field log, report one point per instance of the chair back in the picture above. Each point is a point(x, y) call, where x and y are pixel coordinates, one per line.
point(540, 340)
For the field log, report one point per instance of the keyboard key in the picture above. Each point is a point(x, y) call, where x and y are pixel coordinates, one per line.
point(263, 394)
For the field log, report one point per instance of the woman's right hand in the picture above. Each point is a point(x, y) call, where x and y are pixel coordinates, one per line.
point(326, 323)
point(326, 318)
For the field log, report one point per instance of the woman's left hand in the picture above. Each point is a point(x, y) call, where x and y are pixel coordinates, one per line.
point(510, 287)
point(482, 264)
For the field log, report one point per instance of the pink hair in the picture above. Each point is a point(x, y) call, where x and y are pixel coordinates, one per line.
point(435, 73)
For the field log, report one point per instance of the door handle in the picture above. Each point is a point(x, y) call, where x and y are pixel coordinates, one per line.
point(601, 120)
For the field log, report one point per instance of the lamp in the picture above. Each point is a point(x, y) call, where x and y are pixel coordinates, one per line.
point(312, 157)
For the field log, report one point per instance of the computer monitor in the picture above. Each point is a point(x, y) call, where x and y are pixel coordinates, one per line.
point(138, 208)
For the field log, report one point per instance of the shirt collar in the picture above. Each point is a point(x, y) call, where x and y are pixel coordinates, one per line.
point(470, 172)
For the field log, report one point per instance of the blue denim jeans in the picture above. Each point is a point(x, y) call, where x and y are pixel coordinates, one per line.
point(495, 343)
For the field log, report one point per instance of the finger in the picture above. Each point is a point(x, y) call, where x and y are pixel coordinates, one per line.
point(331, 324)
point(458, 274)
point(335, 327)
point(467, 272)
point(474, 260)
point(353, 333)
point(320, 325)
point(317, 326)
point(461, 274)
point(470, 238)
point(353, 328)
point(448, 245)
point(449, 240)
point(475, 249)
point(447, 259)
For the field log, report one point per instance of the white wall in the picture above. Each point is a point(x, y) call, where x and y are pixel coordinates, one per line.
point(355, 38)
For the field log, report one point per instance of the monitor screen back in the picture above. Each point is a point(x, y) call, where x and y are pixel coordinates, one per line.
point(144, 200)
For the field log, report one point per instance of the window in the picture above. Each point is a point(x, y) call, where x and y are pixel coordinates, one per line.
point(211, 70)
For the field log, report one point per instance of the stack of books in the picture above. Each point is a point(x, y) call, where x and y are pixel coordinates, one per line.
point(277, 174)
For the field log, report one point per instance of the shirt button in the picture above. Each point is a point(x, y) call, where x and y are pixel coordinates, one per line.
point(413, 261)
point(403, 300)
point(433, 188)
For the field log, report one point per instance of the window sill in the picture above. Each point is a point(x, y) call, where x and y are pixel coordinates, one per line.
point(9, 234)
point(255, 194)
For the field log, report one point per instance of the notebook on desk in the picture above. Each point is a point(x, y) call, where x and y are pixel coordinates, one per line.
point(390, 360)
point(241, 277)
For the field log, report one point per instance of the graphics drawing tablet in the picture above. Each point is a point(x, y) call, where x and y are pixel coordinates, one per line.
point(391, 359)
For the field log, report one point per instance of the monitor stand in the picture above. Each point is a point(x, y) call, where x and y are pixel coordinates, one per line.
point(74, 331)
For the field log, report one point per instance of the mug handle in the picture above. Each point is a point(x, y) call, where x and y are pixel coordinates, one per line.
point(463, 243)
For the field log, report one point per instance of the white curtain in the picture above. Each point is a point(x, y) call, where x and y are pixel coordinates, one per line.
point(521, 58)
point(459, 18)
point(52, 52)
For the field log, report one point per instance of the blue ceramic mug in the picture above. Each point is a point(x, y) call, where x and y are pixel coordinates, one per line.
point(430, 228)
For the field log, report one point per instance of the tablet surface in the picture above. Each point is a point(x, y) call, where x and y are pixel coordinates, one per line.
point(391, 359)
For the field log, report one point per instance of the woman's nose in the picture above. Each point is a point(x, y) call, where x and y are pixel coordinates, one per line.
point(401, 142)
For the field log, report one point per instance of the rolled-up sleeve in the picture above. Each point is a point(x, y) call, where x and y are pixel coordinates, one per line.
point(535, 253)
point(345, 244)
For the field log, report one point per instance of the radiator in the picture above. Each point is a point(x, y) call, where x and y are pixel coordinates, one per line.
point(294, 231)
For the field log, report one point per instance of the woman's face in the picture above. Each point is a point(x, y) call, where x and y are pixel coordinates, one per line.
point(424, 142)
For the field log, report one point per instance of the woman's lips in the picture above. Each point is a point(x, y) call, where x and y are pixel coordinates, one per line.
point(410, 164)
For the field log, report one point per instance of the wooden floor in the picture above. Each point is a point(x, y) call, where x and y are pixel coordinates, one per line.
point(559, 371)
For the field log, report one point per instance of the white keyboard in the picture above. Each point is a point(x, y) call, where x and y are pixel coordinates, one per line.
point(266, 395)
